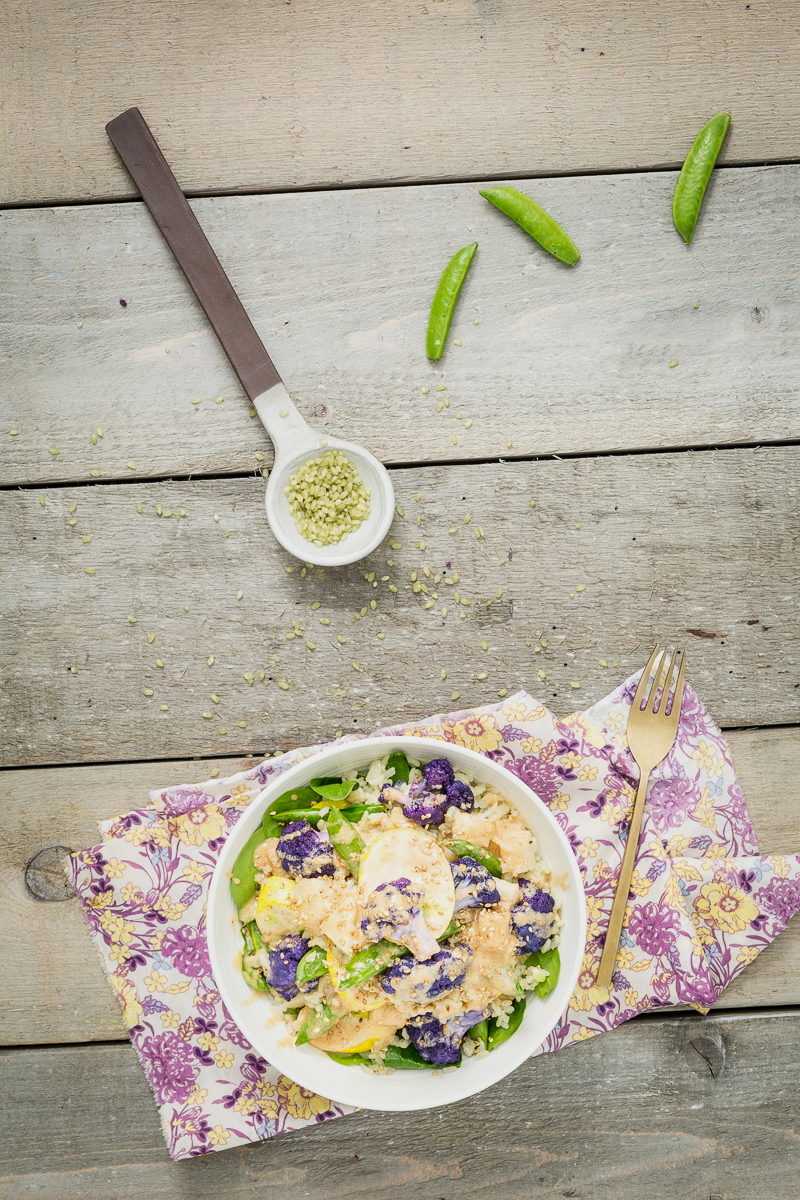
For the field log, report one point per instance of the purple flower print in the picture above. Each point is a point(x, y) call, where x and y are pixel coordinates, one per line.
point(181, 800)
point(670, 802)
point(540, 776)
point(170, 1066)
point(186, 949)
point(653, 927)
point(781, 897)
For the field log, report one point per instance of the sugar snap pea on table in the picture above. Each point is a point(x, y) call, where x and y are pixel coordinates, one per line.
point(444, 302)
point(695, 174)
point(536, 222)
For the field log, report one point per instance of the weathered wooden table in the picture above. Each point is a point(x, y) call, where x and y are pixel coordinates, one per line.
point(133, 490)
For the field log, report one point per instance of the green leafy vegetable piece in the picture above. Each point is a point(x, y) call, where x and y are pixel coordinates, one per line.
point(243, 876)
point(333, 789)
point(470, 850)
point(318, 1021)
point(480, 1032)
point(548, 960)
point(406, 1058)
point(356, 811)
point(400, 765)
point(301, 797)
point(452, 928)
point(312, 965)
point(348, 1060)
point(312, 815)
point(368, 962)
point(270, 827)
point(498, 1034)
point(346, 841)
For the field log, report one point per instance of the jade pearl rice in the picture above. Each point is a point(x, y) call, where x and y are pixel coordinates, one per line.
point(327, 498)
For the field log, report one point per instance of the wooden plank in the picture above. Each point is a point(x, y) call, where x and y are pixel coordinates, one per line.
point(339, 285)
point(61, 806)
point(690, 547)
point(690, 1107)
point(306, 95)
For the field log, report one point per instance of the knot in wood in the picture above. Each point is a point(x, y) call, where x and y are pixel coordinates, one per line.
point(705, 1056)
point(46, 874)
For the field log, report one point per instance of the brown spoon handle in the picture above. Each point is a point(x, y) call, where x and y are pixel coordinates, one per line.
point(171, 212)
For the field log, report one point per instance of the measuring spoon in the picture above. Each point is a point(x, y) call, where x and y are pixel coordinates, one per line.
point(293, 438)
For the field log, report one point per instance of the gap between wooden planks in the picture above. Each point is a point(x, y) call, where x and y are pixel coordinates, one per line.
point(318, 95)
point(561, 360)
point(616, 554)
point(53, 988)
point(670, 1106)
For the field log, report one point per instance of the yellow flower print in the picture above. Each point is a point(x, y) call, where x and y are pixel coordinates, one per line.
point(724, 907)
point(594, 910)
point(707, 757)
point(131, 1007)
point(587, 994)
point(267, 1098)
point(583, 1034)
point(170, 1019)
point(423, 731)
point(615, 720)
point(631, 997)
point(602, 870)
point(168, 907)
point(201, 825)
point(559, 802)
point(118, 929)
point(219, 1136)
point(704, 934)
point(118, 954)
point(154, 832)
point(747, 954)
point(640, 884)
point(240, 795)
point(157, 939)
point(197, 1095)
point(131, 894)
point(515, 712)
point(299, 1101)
point(479, 732)
point(115, 869)
point(156, 982)
point(587, 772)
point(224, 1059)
point(247, 1102)
point(589, 848)
point(194, 873)
point(531, 745)
point(208, 1041)
point(536, 714)
point(612, 814)
point(570, 761)
point(779, 865)
point(715, 850)
point(103, 900)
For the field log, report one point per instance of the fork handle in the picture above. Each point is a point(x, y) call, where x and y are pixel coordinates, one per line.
point(611, 944)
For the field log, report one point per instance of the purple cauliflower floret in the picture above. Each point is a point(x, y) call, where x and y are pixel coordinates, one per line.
point(438, 1044)
point(413, 982)
point(460, 795)
point(438, 773)
point(423, 806)
point(532, 918)
point(475, 886)
point(304, 853)
point(394, 911)
point(283, 960)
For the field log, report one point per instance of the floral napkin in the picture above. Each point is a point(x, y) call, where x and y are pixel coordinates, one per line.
point(705, 901)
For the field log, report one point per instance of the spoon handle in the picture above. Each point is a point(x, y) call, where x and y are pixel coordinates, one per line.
point(171, 212)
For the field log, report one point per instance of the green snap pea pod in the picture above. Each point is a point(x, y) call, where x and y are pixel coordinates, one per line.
point(312, 965)
point(400, 765)
point(470, 850)
point(348, 1060)
point(368, 962)
point(444, 301)
point(357, 811)
point(406, 1058)
point(497, 1035)
point(480, 1032)
point(695, 174)
point(452, 928)
point(531, 217)
point(252, 942)
point(243, 876)
point(312, 815)
point(346, 842)
point(548, 960)
point(318, 1021)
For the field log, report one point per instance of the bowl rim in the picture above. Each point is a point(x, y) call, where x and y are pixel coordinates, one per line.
point(344, 1084)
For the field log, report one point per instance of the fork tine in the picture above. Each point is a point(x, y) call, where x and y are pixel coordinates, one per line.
point(677, 698)
point(662, 682)
point(640, 691)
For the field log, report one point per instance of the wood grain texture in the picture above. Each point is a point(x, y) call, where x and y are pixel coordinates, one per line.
point(309, 94)
point(683, 1106)
point(698, 548)
point(339, 284)
point(63, 805)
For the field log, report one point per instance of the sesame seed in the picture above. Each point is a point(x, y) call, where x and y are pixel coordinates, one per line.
point(95, 474)
point(311, 645)
point(453, 529)
point(93, 438)
point(151, 637)
point(457, 342)
point(509, 444)
point(163, 707)
point(533, 504)
point(468, 424)
point(283, 683)
point(147, 691)
point(222, 730)
point(72, 521)
point(577, 526)
point(251, 412)
point(241, 724)
point(87, 537)
point(210, 660)
point(42, 501)
point(90, 570)
point(467, 518)
point(132, 619)
point(498, 593)
point(207, 716)
point(73, 506)
point(284, 412)
point(443, 674)
point(454, 439)
point(259, 457)
point(214, 697)
point(581, 587)
point(99, 431)
point(261, 675)
point(54, 450)
point(159, 662)
point(425, 390)
point(239, 595)
point(602, 662)
point(439, 406)
point(130, 465)
point(503, 692)
point(443, 612)
point(324, 620)
point(574, 684)
point(356, 665)
point(440, 387)
point(482, 675)
point(542, 674)
point(373, 604)
point(341, 639)
point(197, 400)
point(381, 636)
point(455, 695)
point(674, 362)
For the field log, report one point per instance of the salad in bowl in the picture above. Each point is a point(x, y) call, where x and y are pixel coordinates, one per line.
point(394, 927)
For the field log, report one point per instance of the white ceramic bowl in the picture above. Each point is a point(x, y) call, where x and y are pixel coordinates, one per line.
point(261, 1021)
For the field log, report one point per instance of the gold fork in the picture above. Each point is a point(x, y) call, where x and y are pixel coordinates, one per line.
point(651, 733)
